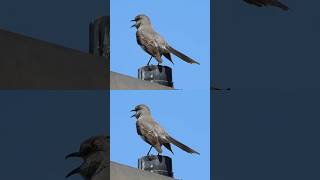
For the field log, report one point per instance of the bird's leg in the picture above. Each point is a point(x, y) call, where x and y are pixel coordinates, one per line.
point(149, 151)
point(149, 61)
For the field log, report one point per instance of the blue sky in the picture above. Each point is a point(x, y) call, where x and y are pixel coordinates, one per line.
point(183, 23)
point(184, 114)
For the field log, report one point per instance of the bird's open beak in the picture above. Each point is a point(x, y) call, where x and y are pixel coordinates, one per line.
point(133, 110)
point(75, 154)
point(133, 20)
point(75, 171)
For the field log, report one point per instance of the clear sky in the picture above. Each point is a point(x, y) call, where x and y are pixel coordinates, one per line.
point(39, 128)
point(185, 24)
point(184, 114)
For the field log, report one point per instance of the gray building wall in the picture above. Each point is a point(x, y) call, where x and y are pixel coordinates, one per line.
point(123, 82)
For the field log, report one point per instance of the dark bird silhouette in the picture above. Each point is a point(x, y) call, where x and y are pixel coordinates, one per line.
point(153, 43)
point(262, 3)
point(94, 152)
point(152, 133)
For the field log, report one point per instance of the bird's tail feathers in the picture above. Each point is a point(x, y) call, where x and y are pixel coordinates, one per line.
point(182, 56)
point(182, 146)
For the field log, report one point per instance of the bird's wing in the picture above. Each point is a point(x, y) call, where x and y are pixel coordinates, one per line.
point(162, 44)
point(147, 42)
point(144, 129)
point(166, 139)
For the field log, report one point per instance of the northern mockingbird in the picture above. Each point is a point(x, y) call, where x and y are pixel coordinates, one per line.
point(152, 133)
point(94, 153)
point(154, 44)
point(261, 3)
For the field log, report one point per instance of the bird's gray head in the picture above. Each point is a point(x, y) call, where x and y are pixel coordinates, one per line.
point(141, 109)
point(140, 20)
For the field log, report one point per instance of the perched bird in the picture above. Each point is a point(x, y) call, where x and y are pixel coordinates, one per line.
point(154, 44)
point(95, 154)
point(261, 3)
point(152, 133)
